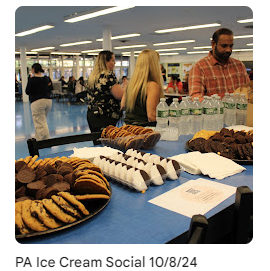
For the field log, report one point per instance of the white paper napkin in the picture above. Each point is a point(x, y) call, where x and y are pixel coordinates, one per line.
point(211, 164)
point(92, 152)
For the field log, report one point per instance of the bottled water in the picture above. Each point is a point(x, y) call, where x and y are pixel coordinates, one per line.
point(241, 111)
point(162, 114)
point(208, 113)
point(215, 112)
point(174, 115)
point(220, 113)
point(204, 101)
point(225, 104)
point(184, 126)
point(237, 97)
point(231, 111)
point(189, 102)
point(196, 116)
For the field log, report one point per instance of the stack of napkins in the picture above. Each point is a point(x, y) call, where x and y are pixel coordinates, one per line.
point(211, 164)
point(92, 152)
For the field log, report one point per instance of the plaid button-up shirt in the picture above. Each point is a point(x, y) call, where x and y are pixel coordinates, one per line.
point(208, 77)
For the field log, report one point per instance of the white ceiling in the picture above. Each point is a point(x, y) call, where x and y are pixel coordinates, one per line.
point(142, 20)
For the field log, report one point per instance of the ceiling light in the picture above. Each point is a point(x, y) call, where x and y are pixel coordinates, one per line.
point(130, 55)
point(173, 42)
point(241, 50)
point(122, 37)
point(34, 30)
point(91, 51)
point(30, 53)
point(75, 43)
point(96, 14)
point(130, 46)
point(198, 52)
point(93, 54)
point(42, 49)
point(171, 49)
point(63, 53)
point(135, 52)
point(245, 21)
point(168, 54)
point(250, 44)
point(187, 28)
point(243, 37)
point(202, 47)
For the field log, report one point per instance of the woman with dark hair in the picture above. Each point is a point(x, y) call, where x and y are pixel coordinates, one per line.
point(105, 93)
point(41, 104)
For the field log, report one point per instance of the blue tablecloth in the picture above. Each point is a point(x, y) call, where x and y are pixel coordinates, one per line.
point(130, 218)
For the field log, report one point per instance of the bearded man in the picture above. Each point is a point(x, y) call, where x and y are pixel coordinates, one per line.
point(217, 73)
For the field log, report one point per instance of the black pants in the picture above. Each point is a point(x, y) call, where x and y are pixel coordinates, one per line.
point(96, 123)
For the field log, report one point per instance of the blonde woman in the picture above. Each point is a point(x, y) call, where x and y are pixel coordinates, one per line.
point(105, 93)
point(144, 90)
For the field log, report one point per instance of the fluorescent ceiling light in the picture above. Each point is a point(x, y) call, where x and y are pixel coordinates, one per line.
point(93, 54)
point(75, 43)
point(92, 51)
point(168, 54)
point(96, 14)
point(34, 30)
point(135, 52)
point(202, 47)
point(173, 42)
point(243, 37)
point(187, 28)
point(242, 50)
point(250, 44)
point(245, 21)
point(63, 53)
point(122, 37)
point(130, 55)
point(42, 49)
point(198, 52)
point(171, 49)
point(30, 53)
point(130, 46)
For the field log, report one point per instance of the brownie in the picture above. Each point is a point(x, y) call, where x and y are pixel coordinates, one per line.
point(196, 143)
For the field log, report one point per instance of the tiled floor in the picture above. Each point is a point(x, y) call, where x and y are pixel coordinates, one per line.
point(64, 119)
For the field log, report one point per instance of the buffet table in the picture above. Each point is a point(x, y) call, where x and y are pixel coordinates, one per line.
point(130, 219)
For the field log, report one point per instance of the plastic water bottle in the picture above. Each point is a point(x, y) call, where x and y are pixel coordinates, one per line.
point(225, 104)
point(207, 114)
point(196, 116)
point(215, 112)
point(174, 115)
point(189, 102)
point(241, 111)
point(220, 113)
point(162, 114)
point(231, 111)
point(237, 97)
point(184, 125)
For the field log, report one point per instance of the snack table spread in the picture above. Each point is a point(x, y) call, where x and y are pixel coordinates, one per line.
point(129, 218)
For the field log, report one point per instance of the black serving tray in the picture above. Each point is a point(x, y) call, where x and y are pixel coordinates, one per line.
point(240, 162)
point(93, 206)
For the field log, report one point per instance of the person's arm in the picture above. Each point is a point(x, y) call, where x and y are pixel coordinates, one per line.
point(180, 86)
point(196, 84)
point(123, 101)
point(152, 100)
point(28, 87)
point(117, 91)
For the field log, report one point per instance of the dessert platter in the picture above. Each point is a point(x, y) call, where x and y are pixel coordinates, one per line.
point(129, 136)
point(235, 145)
point(55, 194)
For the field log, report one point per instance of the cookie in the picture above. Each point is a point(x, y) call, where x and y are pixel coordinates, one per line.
point(37, 209)
point(90, 186)
point(58, 212)
point(19, 224)
point(31, 222)
point(72, 200)
point(26, 175)
point(91, 197)
point(61, 202)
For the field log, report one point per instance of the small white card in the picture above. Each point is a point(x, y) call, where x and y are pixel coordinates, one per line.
point(194, 197)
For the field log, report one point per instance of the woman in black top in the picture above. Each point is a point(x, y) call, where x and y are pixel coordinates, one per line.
point(104, 93)
point(41, 104)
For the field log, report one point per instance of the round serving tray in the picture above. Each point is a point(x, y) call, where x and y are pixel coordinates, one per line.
point(94, 208)
point(240, 162)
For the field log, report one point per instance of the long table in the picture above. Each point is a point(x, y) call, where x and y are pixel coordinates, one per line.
point(130, 219)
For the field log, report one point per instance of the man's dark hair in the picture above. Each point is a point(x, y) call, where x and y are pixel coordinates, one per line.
point(221, 31)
